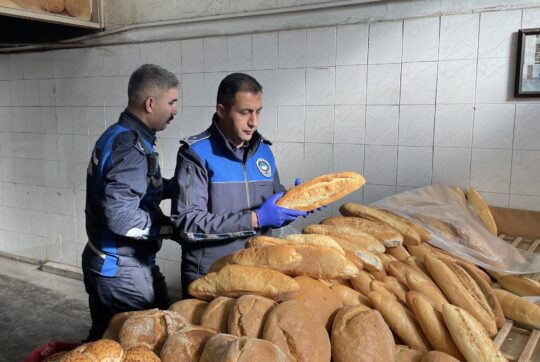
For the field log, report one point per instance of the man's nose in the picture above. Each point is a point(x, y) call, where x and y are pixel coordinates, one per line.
point(253, 120)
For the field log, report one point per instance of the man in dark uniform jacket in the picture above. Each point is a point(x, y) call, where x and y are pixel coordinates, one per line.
point(124, 222)
point(226, 182)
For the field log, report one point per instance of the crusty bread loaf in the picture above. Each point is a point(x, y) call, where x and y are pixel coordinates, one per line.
point(190, 309)
point(379, 286)
point(410, 234)
point(320, 191)
point(187, 344)
point(469, 335)
point(360, 239)
point(350, 296)
point(237, 280)
point(400, 320)
point(81, 9)
point(52, 6)
point(458, 294)
point(216, 314)
point(444, 228)
point(399, 270)
point(398, 252)
point(116, 323)
point(425, 234)
point(427, 289)
point(388, 236)
point(518, 309)
point(323, 263)
point(438, 356)
point(139, 354)
point(360, 334)
point(406, 354)
point(480, 207)
point(294, 330)
point(317, 298)
point(100, 350)
point(248, 314)
point(416, 263)
point(314, 240)
point(386, 259)
point(228, 348)
point(519, 284)
point(432, 324)
point(277, 257)
point(361, 283)
point(395, 286)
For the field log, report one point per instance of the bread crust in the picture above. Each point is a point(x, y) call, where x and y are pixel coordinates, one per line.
point(388, 236)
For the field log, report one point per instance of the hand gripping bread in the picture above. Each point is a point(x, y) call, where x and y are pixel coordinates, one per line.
point(248, 314)
point(228, 348)
point(382, 232)
point(410, 235)
point(187, 344)
point(360, 238)
point(237, 280)
point(479, 206)
point(277, 257)
point(190, 309)
point(518, 309)
point(469, 335)
point(294, 330)
point(458, 294)
point(519, 284)
point(361, 334)
point(320, 191)
point(400, 320)
point(216, 314)
point(432, 324)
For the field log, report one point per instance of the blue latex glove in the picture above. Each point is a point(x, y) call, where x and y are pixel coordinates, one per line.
point(299, 181)
point(271, 215)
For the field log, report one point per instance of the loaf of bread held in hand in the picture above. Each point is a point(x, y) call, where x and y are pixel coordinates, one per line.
point(321, 191)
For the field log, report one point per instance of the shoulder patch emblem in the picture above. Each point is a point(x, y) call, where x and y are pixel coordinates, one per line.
point(264, 167)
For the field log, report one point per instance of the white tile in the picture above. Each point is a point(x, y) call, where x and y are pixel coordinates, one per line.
point(453, 125)
point(383, 84)
point(239, 53)
point(374, 193)
point(45, 65)
point(6, 124)
point(290, 160)
point(385, 42)
point(350, 124)
point(269, 81)
point(193, 89)
point(112, 114)
point(527, 134)
point(79, 175)
point(525, 202)
point(321, 47)
point(531, 18)
point(65, 147)
point(50, 148)
point(318, 159)
point(494, 125)
point(416, 125)
point(452, 166)
point(459, 36)
point(348, 157)
point(46, 92)
point(150, 53)
point(526, 173)
point(4, 67)
point(62, 92)
point(495, 199)
point(268, 123)
point(81, 150)
point(320, 86)
point(265, 51)
point(80, 120)
point(382, 124)
point(192, 56)
point(414, 166)
point(17, 93)
point(64, 120)
point(114, 91)
point(193, 121)
point(351, 84)
point(29, 172)
point(292, 49)
point(9, 166)
point(418, 83)
point(16, 66)
point(6, 145)
point(131, 58)
point(30, 65)
point(495, 80)
point(211, 84)
point(380, 164)
point(319, 124)
point(292, 86)
point(170, 56)
point(498, 33)
point(112, 61)
point(169, 151)
point(490, 170)
point(78, 95)
point(96, 120)
point(456, 79)
point(31, 92)
point(10, 194)
point(291, 123)
point(5, 94)
point(420, 39)
point(352, 44)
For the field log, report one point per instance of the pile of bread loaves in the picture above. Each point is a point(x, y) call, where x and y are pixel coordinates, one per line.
point(365, 286)
point(81, 9)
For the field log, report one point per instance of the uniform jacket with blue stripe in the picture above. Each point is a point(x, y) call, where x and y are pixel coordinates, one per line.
point(124, 190)
point(214, 191)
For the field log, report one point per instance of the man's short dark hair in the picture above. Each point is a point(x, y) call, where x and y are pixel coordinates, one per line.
point(234, 83)
point(149, 79)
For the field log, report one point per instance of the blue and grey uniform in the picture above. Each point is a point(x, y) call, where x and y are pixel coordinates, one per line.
point(124, 223)
point(216, 187)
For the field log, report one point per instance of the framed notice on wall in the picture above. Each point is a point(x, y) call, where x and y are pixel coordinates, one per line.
point(528, 64)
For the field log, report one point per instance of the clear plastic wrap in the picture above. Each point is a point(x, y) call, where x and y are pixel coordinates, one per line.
point(455, 228)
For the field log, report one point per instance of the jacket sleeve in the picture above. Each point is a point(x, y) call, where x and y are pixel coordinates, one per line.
point(189, 205)
point(125, 185)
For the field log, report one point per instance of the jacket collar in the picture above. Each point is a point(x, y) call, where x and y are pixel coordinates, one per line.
point(133, 122)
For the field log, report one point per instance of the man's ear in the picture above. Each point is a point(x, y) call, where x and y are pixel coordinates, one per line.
point(220, 110)
point(149, 103)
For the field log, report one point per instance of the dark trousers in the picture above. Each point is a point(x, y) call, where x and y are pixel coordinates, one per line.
point(136, 286)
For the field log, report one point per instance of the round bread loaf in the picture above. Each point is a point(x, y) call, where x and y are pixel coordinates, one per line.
point(406, 354)
point(190, 309)
point(438, 356)
point(187, 344)
point(228, 348)
point(216, 314)
point(248, 314)
point(140, 354)
point(79, 9)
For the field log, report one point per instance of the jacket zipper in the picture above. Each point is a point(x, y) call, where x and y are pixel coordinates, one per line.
point(188, 182)
point(246, 183)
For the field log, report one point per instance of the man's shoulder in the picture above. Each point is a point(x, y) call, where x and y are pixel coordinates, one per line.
point(192, 140)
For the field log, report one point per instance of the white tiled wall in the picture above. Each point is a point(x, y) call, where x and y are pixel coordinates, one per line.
point(406, 103)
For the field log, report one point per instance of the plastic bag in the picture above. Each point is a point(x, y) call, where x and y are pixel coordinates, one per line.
point(48, 349)
point(455, 228)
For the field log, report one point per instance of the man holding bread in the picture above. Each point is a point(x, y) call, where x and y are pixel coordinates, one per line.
point(226, 182)
point(124, 222)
